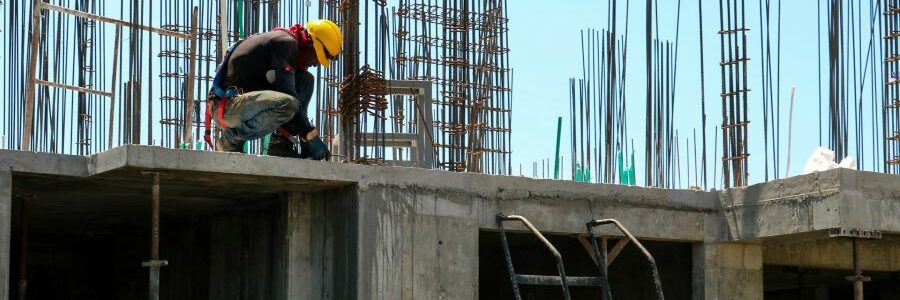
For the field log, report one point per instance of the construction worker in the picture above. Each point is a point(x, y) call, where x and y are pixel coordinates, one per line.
point(263, 87)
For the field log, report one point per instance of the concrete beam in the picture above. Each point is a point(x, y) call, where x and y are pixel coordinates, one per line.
point(44, 163)
point(838, 198)
point(566, 213)
point(870, 201)
point(875, 255)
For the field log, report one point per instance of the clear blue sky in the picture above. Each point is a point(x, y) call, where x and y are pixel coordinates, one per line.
point(545, 42)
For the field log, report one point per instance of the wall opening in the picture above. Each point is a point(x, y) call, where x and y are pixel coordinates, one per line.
point(92, 248)
point(786, 282)
point(629, 274)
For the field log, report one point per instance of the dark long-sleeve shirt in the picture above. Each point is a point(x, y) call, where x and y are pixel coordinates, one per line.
point(269, 61)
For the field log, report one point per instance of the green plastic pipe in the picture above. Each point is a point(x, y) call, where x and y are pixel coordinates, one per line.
point(556, 162)
point(240, 17)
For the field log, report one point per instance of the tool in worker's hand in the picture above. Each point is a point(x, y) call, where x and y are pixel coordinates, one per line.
point(311, 147)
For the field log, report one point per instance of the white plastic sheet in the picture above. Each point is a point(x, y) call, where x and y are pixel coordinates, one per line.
point(822, 159)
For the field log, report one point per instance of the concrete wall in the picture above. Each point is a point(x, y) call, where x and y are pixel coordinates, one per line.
point(321, 245)
point(420, 241)
point(728, 271)
point(417, 244)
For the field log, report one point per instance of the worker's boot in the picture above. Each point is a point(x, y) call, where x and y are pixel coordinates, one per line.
point(281, 146)
point(224, 144)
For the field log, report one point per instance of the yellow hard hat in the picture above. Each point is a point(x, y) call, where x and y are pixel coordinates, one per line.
point(327, 40)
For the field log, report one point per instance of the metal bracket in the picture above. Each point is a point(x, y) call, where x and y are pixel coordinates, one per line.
point(155, 263)
point(843, 232)
point(152, 172)
point(420, 143)
point(861, 278)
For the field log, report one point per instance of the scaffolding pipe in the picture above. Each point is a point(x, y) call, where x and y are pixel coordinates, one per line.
point(155, 263)
point(28, 123)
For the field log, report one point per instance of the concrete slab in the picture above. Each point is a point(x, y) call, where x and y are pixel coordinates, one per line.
point(813, 203)
point(407, 233)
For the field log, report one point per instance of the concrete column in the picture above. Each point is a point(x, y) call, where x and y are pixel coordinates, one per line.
point(5, 230)
point(417, 245)
point(304, 276)
point(727, 271)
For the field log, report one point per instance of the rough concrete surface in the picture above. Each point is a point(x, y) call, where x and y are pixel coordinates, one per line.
point(318, 230)
point(834, 199)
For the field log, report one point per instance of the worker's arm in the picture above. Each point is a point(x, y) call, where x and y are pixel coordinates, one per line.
point(303, 86)
point(311, 145)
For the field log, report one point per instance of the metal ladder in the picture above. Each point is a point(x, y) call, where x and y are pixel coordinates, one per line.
point(601, 255)
point(561, 280)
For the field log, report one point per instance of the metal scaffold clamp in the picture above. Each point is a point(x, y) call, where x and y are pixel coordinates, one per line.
point(155, 263)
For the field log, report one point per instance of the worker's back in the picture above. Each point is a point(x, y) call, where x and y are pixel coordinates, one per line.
point(264, 62)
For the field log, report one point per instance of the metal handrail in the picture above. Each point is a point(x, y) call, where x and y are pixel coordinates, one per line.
point(559, 262)
point(601, 261)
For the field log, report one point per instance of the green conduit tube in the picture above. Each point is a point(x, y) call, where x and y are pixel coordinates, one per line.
point(556, 157)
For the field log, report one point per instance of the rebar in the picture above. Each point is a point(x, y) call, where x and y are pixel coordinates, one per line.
point(462, 47)
point(733, 49)
point(597, 106)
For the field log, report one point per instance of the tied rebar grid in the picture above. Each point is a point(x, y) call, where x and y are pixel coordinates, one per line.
point(461, 46)
point(352, 105)
point(149, 104)
point(891, 112)
point(733, 45)
point(363, 96)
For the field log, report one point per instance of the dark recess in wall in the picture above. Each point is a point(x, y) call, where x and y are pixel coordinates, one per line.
point(629, 274)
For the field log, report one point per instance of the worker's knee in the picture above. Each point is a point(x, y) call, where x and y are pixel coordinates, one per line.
point(260, 110)
point(280, 104)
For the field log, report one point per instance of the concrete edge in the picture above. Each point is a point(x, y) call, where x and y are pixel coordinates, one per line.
point(44, 163)
point(483, 185)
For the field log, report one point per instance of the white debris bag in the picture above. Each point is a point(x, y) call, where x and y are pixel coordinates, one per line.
point(822, 159)
point(848, 163)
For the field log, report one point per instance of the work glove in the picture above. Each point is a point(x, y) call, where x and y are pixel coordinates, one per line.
point(314, 149)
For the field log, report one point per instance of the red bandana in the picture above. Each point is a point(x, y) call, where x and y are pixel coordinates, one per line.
point(304, 41)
